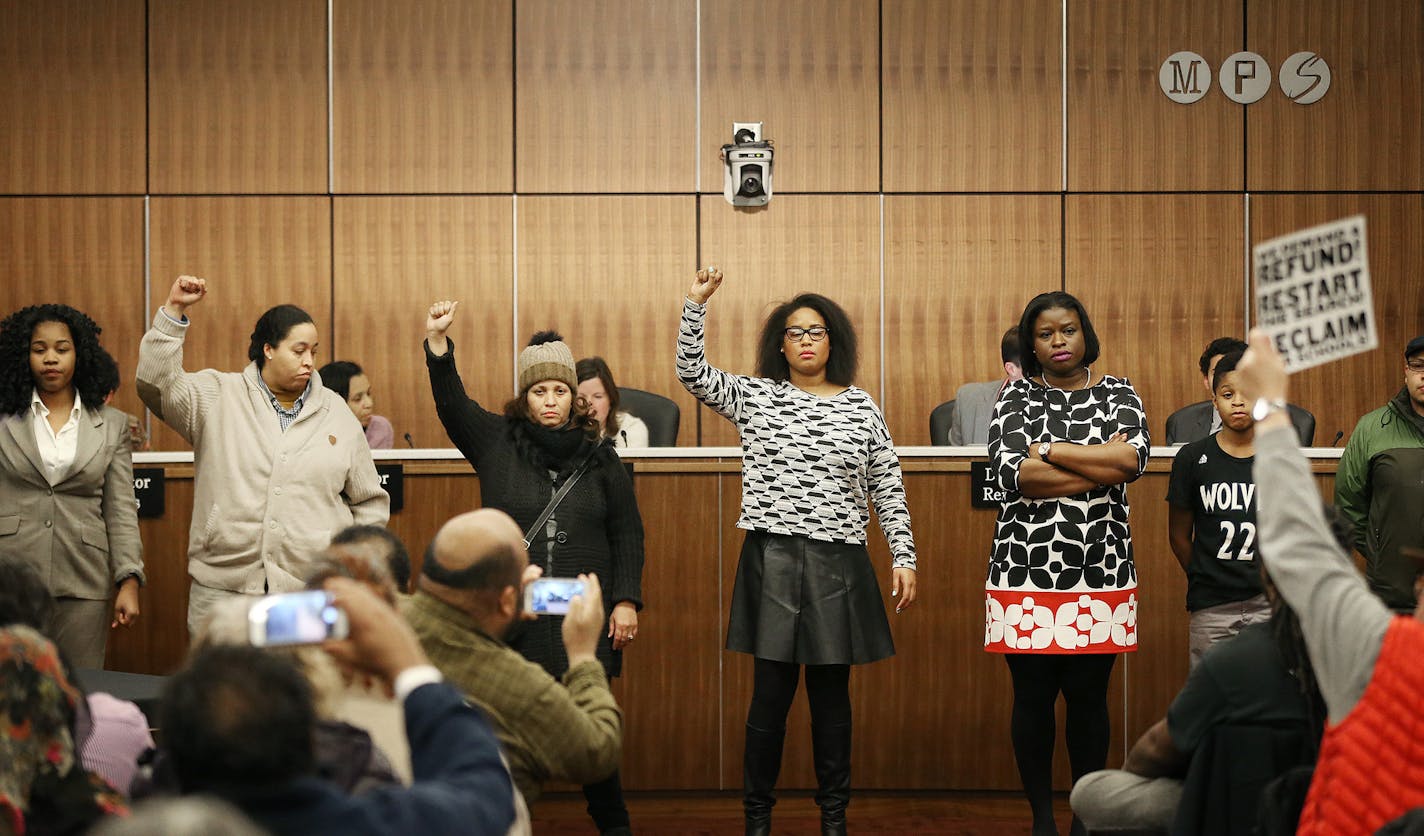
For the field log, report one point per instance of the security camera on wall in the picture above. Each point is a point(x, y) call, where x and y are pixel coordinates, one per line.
point(747, 166)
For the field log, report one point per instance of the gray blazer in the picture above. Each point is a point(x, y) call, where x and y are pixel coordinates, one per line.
point(1193, 423)
point(81, 534)
point(973, 410)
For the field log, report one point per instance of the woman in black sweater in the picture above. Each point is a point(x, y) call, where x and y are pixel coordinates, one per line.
point(522, 458)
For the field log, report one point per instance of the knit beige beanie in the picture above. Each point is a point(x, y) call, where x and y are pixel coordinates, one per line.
point(546, 357)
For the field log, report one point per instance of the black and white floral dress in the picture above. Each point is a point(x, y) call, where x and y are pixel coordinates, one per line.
point(1061, 577)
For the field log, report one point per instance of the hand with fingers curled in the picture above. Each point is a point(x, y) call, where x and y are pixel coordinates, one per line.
point(437, 322)
point(186, 292)
point(707, 281)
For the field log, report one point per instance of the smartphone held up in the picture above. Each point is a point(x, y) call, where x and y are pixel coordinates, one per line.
point(295, 618)
point(551, 596)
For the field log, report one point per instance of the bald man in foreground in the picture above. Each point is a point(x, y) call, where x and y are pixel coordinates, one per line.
point(469, 593)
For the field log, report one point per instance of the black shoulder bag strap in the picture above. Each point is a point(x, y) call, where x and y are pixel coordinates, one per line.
point(558, 497)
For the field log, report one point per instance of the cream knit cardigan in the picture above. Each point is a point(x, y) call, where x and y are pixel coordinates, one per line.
point(265, 502)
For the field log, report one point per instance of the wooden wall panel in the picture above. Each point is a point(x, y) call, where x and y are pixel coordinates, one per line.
point(669, 742)
point(396, 255)
point(423, 96)
point(810, 70)
point(1368, 130)
point(430, 502)
point(827, 244)
point(609, 274)
point(972, 96)
point(958, 272)
point(1124, 134)
point(1339, 393)
point(83, 252)
point(158, 641)
point(237, 97)
point(72, 91)
point(1156, 672)
point(606, 95)
point(255, 252)
point(1161, 276)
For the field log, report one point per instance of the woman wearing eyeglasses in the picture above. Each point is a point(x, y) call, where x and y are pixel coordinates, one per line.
point(816, 452)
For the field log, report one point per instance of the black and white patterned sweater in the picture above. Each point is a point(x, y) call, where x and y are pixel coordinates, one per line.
point(811, 466)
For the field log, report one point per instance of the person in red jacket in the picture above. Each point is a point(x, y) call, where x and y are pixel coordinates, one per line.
point(1366, 658)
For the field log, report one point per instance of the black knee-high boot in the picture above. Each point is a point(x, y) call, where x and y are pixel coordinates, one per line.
point(830, 746)
point(760, 766)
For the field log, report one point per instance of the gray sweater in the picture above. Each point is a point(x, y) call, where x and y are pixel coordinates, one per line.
point(1344, 623)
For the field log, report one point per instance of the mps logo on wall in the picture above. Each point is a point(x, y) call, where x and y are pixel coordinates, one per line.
point(1244, 77)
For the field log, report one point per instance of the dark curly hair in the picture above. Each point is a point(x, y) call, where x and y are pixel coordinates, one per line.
point(96, 375)
point(845, 357)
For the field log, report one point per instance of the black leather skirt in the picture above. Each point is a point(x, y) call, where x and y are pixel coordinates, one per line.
point(807, 601)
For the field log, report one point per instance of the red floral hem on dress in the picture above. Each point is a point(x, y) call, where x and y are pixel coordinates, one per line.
point(1038, 621)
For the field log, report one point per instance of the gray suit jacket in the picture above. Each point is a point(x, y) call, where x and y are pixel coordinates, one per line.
point(973, 410)
point(81, 534)
point(1193, 422)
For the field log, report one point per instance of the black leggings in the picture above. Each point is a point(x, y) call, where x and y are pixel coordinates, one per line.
point(774, 686)
point(1038, 679)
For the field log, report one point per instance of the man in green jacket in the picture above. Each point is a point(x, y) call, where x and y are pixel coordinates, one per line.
point(1379, 489)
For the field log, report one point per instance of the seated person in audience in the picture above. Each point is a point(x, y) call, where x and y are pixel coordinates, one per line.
point(595, 385)
point(470, 592)
point(974, 402)
point(346, 379)
point(1366, 658)
point(239, 724)
point(113, 733)
point(1259, 677)
point(1211, 523)
point(383, 545)
point(1199, 420)
point(44, 787)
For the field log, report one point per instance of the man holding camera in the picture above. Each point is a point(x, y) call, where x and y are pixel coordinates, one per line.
point(469, 594)
point(239, 721)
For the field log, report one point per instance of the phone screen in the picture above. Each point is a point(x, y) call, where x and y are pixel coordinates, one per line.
point(551, 596)
point(296, 618)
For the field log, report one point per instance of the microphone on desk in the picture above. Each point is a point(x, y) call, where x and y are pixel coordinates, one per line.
point(410, 441)
point(1339, 434)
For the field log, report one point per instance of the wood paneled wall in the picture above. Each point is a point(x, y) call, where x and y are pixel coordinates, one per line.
point(555, 162)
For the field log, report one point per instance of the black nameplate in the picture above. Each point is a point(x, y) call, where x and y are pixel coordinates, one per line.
point(393, 480)
point(148, 491)
point(983, 491)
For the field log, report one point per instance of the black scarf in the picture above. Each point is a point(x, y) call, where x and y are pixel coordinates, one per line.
point(559, 449)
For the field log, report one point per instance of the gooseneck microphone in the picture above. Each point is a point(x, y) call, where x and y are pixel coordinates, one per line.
point(1339, 434)
point(410, 441)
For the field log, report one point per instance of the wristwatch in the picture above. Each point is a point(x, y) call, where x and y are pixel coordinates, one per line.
point(1264, 407)
point(1043, 450)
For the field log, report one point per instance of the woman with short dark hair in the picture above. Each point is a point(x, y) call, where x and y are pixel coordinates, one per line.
point(281, 463)
point(1061, 592)
point(66, 476)
point(349, 380)
point(545, 437)
point(816, 453)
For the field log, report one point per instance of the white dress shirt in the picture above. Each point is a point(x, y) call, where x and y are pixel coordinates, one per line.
point(57, 449)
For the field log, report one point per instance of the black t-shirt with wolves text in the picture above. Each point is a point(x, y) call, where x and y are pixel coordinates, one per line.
point(1219, 491)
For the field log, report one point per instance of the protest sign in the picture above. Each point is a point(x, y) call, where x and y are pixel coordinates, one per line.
point(1312, 291)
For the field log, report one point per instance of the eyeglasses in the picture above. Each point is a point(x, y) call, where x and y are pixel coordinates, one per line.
point(1415, 365)
point(815, 332)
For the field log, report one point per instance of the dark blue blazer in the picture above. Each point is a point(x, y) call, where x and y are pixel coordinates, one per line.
point(461, 785)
